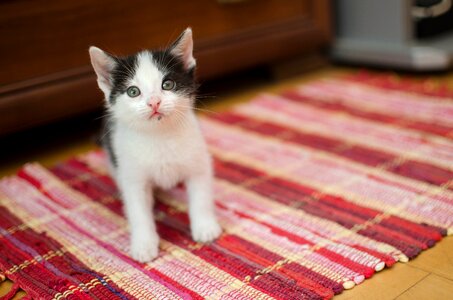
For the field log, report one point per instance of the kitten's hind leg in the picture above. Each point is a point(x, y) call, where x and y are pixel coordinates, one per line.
point(203, 222)
point(138, 204)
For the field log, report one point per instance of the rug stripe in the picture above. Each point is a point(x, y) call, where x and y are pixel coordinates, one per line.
point(429, 87)
point(411, 145)
point(322, 171)
point(375, 174)
point(45, 268)
point(367, 114)
point(293, 153)
point(333, 208)
point(412, 169)
point(399, 104)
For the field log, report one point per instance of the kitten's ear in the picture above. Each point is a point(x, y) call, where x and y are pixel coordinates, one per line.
point(103, 64)
point(183, 48)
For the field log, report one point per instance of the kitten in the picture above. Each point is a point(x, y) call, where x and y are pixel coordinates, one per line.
point(153, 138)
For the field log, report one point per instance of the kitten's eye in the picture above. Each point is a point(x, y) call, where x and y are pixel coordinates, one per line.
point(133, 91)
point(168, 85)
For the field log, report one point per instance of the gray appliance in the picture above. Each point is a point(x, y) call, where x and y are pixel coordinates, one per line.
point(405, 34)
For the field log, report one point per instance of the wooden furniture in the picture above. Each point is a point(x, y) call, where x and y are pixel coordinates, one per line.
point(45, 73)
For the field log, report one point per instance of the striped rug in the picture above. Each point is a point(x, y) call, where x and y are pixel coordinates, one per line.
point(317, 189)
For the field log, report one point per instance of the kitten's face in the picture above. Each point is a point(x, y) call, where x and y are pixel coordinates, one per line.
point(151, 87)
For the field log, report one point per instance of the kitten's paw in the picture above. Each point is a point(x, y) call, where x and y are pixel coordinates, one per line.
point(205, 229)
point(145, 250)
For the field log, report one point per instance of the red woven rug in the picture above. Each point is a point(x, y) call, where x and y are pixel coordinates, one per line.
point(317, 189)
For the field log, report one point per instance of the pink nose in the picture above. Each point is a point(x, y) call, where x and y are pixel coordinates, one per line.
point(154, 104)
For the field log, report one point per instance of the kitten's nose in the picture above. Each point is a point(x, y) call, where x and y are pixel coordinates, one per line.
point(154, 104)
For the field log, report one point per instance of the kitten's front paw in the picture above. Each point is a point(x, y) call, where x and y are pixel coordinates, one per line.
point(145, 250)
point(205, 229)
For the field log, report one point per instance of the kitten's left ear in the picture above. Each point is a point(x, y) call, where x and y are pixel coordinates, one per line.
point(183, 48)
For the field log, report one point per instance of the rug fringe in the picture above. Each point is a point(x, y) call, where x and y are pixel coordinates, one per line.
point(2, 277)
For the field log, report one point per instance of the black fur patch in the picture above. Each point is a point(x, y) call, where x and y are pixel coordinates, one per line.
point(173, 68)
point(123, 71)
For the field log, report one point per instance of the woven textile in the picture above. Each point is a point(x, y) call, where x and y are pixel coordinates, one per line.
point(316, 189)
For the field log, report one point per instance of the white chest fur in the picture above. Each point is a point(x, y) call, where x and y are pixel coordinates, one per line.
point(164, 158)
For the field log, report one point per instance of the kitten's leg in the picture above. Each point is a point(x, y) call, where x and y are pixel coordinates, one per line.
point(203, 222)
point(138, 203)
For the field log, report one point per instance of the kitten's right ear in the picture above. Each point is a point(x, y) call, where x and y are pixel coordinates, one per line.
point(103, 64)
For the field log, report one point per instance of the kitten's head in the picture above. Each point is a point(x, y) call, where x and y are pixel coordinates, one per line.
point(149, 88)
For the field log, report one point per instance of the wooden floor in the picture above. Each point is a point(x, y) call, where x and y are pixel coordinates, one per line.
point(429, 276)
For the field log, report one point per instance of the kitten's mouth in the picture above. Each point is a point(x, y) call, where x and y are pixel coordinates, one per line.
point(156, 114)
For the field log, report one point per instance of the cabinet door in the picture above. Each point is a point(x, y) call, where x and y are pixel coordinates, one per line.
point(44, 57)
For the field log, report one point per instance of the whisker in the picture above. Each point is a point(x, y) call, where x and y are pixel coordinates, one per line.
point(103, 116)
point(199, 109)
point(106, 132)
point(180, 118)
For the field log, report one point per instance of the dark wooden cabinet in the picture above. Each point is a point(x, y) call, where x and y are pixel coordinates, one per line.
point(45, 72)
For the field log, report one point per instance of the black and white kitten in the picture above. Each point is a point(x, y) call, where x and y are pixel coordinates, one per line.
point(153, 138)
